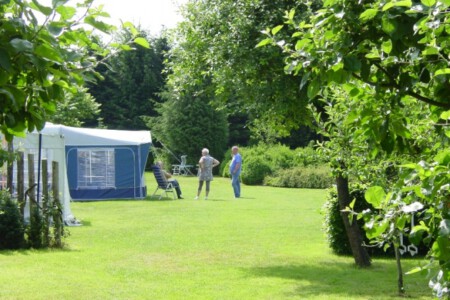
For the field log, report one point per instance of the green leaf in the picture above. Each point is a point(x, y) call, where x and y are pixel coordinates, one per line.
point(377, 229)
point(375, 196)
point(142, 42)
point(276, 29)
point(443, 157)
point(302, 43)
point(102, 26)
point(8, 95)
point(420, 227)
point(351, 117)
point(414, 270)
point(130, 26)
point(55, 28)
point(47, 11)
point(48, 53)
point(441, 248)
point(391, 4)
point(387, 46)
point(66, 12)
point(352, 204)
point(352, 63)
point(388, 25)
point(21, 45)
point(368, 14)
point(445, 71)
point(401, 222)
point(430, 51)
point(373, 54)
point(5, 60)
point(313, 88)
point(264, 42)
point(445, 115)
point(428, 2)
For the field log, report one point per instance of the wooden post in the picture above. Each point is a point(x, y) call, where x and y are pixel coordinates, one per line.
point(57, 211)
point(31, 182)
point(9, 168)
point(21, 182)
point(45, 203)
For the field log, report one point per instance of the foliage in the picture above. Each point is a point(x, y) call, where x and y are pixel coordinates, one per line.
point(46, 227)
point(423, 188)
point(278, 165)
point(308, 156)
point(255, 170)
point(12, 228)
point(318, 177)
point(76, 109)
point(211, 45)
point(334, 227)
point(132, 81)
point(396, 50)
point(46, 53)
point(35, 229)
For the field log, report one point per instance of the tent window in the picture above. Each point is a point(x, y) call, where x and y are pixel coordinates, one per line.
point(96, 168)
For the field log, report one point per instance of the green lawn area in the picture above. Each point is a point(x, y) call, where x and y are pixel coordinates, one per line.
point(267, 245)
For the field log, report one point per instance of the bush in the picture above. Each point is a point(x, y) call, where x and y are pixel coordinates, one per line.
point(12, 228)
point(263, 160)
point(254, 170)
point(307, 156)
point(313, 178)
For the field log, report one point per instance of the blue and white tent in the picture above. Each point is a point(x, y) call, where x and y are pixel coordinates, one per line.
point(104, 164)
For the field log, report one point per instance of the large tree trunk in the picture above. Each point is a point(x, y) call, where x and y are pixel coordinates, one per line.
point(360, 254)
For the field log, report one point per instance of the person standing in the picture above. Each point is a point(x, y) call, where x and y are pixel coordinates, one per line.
point(235, 171)
point(169, 178)
point(206, 165)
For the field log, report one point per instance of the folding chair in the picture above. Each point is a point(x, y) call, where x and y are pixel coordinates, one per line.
point(183, 168)
point(163, 184)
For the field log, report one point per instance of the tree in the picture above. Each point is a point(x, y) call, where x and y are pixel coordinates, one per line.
point(399, 50)
point(217, 41)
point(131, 83)
point(76, 109)
point(188, 123)
point(44, 51)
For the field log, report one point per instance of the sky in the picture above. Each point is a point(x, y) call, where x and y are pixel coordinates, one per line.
point(150, 14)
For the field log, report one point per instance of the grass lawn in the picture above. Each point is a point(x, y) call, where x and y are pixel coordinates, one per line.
point(267, 245)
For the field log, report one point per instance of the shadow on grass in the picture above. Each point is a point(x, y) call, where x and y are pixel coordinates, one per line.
point(32, 251)
point(339, 279)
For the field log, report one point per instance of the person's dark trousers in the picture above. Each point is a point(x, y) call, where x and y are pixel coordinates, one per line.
point(176, 185)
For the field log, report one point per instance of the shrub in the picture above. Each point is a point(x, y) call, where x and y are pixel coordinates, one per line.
point(308, 156)
point(299, 177)
point(11, 223)
point(254, 170)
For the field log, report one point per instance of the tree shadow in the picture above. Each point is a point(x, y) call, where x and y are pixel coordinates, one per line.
point(341, 279)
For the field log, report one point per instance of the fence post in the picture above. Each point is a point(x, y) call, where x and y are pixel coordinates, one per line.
point(20, 182)
point(9, 168)
point(57, 211)
point(45, 203)
point(31, 183)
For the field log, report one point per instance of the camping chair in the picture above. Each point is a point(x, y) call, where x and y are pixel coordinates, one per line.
point(162, 182)
point(183, 168)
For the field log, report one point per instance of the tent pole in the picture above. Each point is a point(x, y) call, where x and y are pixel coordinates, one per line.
point(39, 168)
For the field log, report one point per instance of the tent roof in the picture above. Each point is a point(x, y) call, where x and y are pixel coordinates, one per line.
point(97, 137)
